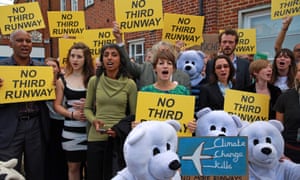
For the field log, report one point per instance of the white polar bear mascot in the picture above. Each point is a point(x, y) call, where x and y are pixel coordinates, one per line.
point(150, 152)
point(217, 123)
point(265, 148)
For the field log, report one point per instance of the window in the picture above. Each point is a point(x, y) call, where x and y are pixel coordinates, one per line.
point(63, 5)
point(89, 3)
point(74, 5)
point(136, 50)
point(268, 29)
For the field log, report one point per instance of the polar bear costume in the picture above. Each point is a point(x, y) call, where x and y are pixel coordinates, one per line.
point(150, 152)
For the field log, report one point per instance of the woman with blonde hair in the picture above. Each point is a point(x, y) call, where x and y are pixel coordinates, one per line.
point(261, 71)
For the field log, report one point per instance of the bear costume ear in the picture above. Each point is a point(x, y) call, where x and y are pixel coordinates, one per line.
point(277, 124)
point(237, 121)
point(138, 134)
point(201, 54)
point(175, 124)
point(202, 112)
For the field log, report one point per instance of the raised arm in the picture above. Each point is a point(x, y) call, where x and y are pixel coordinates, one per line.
point(133, 68)
point(281, 36)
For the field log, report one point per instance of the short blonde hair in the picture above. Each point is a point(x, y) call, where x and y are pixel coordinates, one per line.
point(258, 65)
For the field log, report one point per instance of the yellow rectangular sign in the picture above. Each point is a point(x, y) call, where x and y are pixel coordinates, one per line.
point(96, 38)
point(159, 106)
point(26, 83)
point(66, 23)
point(283, 8)
point(186, 28)
point(247, 41)
point(248, 106)
point(133, 15)
point(26, 16)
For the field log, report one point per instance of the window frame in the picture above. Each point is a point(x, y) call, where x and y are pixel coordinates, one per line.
point(247, 16)
point(74, 5)
point(88, 3)
point(132, 44)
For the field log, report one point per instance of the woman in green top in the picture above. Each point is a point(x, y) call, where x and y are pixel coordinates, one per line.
point(164, 64)
point(113, 93)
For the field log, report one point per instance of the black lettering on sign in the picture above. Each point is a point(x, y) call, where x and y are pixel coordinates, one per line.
point(165, 102)
point(138, 3)
point(20, 9)
point(249, 99)
point(66, 16)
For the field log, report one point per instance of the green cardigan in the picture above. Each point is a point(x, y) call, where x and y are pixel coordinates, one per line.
point(112, 97)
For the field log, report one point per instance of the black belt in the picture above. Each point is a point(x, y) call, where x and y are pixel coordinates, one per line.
point(27, 116)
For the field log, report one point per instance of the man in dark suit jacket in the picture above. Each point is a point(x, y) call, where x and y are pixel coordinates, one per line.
point(24, 126)
point(228, 41)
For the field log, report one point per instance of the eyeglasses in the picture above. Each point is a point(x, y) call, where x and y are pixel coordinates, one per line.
point(225, 66)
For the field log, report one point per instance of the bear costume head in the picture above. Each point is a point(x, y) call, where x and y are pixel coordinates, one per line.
point(150, 151)
point(217, 123)
point(265, 148)
point(192, 63)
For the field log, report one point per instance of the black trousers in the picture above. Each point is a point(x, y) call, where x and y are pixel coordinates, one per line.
point(27, 141)
point(56, 163)
point(99, 161)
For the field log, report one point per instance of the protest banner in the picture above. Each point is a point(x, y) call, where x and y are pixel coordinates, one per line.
point(66, 23)
point(96, 38)
point(26, 83)
point(213, 157)
point(159, 106)
point(186, 28)
point(26, 16)
point(248, 106)
point(139, 15)
point(247, 41)
point(283, 8)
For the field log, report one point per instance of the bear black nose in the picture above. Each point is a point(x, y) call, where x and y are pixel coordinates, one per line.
point(221, 135)
point(188, 68)
point(174, 165)
point(266, 150)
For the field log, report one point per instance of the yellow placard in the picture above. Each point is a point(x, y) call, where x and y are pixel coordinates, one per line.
point(186, 28)
point(247, 41)
point(159, 106)
point(134, 15)
point(283, 8)
point(96, 38)
point(26, 83)
point(66, 23)
point(248, 106)
point(26, 16)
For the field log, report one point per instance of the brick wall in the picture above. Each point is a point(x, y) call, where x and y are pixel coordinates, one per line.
point(219, 14)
